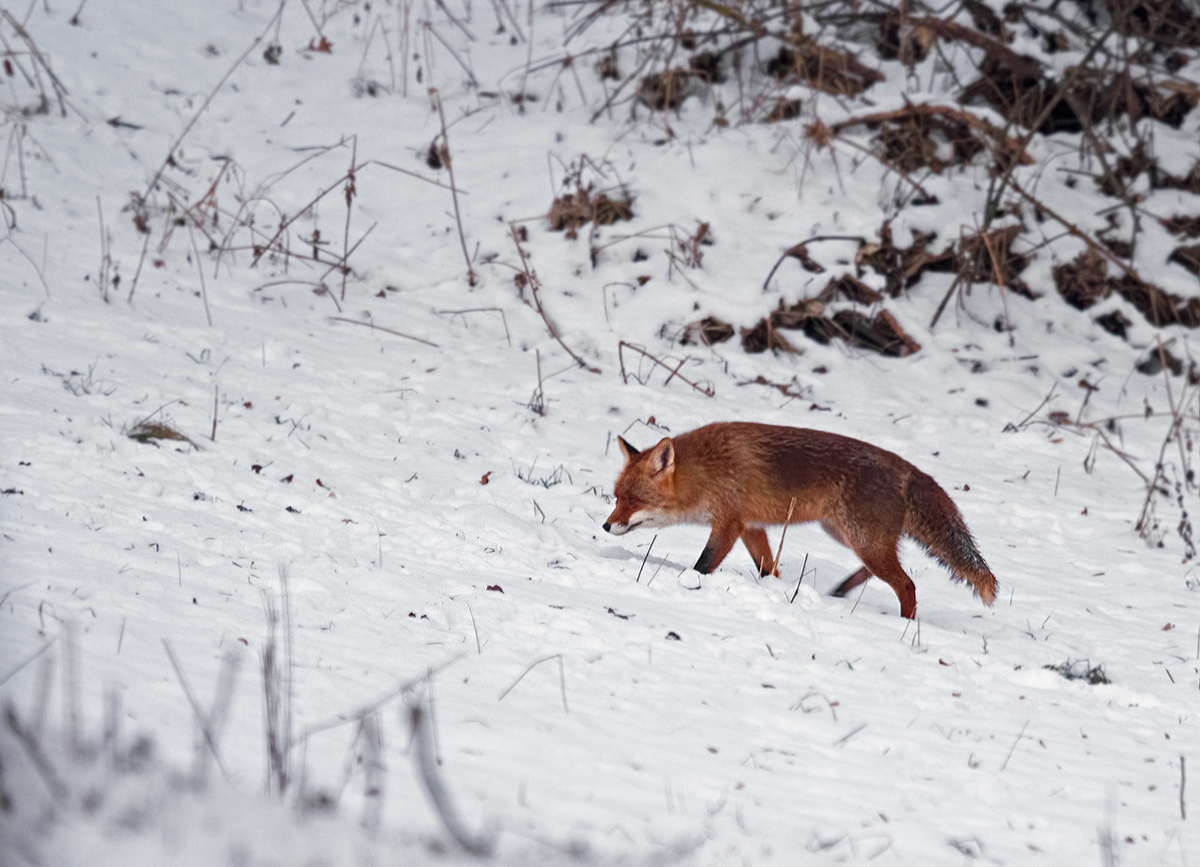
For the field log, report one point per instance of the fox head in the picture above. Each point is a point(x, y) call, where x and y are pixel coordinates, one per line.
point(645, 490)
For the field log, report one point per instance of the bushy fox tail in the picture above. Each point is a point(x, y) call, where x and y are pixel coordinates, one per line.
point(934, 521)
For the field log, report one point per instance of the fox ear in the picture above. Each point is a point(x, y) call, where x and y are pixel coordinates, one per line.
point(663, 457)
point(626, 449)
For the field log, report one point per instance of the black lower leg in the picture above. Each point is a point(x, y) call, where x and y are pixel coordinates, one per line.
point(850, 583)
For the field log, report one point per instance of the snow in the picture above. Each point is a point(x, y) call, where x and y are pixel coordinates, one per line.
point(666, 718)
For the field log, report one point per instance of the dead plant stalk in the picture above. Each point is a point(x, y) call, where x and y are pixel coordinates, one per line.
point(351, 190)
point(436, 98)
point(997, 186)
point(782, 536)
point(375, 327)
point(1177, 419)
point(105, 254)
point(200, 269)
point(169, 159)
point(463, 314)
point(673, 372)
point(987, 241)
point(530, 279)
point(1074, 230)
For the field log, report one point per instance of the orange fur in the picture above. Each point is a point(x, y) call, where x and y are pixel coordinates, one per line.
point(740, 477)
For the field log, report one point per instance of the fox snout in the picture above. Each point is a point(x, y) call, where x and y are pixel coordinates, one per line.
point(618, 523)
point(625, 518)
point(621, 520)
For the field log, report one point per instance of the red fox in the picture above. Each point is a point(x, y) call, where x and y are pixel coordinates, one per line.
point(740, 477)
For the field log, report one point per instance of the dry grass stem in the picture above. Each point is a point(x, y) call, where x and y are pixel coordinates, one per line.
point(463, 314)
point(782, 536)
point(425, 758)
point(562, 682)
point(706, 389)
point(375, 327)
point(649, 548)
point(526, 278)
point(28, 738)
point(170, 157)
point(444, 153)
point(202, 720)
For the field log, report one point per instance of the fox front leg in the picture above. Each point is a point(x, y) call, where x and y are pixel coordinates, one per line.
point(756, 542)
point(720, 541)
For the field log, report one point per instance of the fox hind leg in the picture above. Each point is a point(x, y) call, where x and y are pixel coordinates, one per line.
point(886, 565)
point(878, 558)
point(856, 578)
point(851, 582)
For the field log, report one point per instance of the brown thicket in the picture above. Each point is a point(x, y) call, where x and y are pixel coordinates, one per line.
point(989, 82)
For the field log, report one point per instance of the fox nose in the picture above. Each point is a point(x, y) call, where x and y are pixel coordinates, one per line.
point(607, 527)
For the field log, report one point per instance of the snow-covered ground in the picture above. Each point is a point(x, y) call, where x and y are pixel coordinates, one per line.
point(440, 536)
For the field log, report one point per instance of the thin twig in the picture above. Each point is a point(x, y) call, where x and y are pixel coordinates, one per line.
point(849, 735)
point(200, 268)
point(449, 164)
point(530, 667)
point(1045, 400)
point(70, 685)
point(24, 662)
point(782, 536)
point(537, 401)
point(375, 327)
point(138, 273)
point(803, 566)
point(706, 390)
point(201, 720)
point(463, 313)
point(987, 242)
point(429, 30)
point(792, 251)
point(644, 559)
point(59, 90)
point(858, 599)
point(29, 740)
point(277, 689)
point(970, 119)
point(351, 190)
point(1075, 231)
point(1072, 80)
point(1014, 746)
point(888, 164)
point(1172, 433)
point(170, 158)
point(371, 707)
point(105, 257)
point(937, 314)
point(1176, 409)
point(40, 271)
point(425, 758)
point(419, 177)
point(532, 282)
point(344, 265)
point(478, 646)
